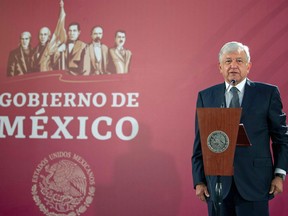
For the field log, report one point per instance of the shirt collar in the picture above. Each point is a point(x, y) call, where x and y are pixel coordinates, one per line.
point(96, 44)
point(239, 86)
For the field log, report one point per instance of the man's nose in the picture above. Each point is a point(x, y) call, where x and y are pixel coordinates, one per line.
point(234, 64)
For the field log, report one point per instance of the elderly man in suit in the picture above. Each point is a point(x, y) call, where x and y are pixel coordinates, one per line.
point(42, 58)
point(258, 176)
point(119, 57)
point(98, 52)
point(19, 61)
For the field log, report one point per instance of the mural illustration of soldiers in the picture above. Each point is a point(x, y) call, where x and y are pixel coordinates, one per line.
point(119, 57)
point(19, 61)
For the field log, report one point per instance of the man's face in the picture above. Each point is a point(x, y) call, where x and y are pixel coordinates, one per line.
point(25, 40)
point(97, 34)
point(120, 39)
point(44, 35)
point(73, 33)
point(234, 66)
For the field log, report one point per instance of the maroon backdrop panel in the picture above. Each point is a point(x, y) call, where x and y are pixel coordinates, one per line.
point(121, 144)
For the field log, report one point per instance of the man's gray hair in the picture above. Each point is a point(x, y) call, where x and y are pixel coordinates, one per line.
point(25, 33)
point(234, 46)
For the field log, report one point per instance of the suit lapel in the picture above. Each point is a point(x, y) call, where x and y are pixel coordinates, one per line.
point(76, 48)
point(249, 95)
point(104, 56)
point(22, 60)
point(117, 52)
point(92, 55)
point(219, 96)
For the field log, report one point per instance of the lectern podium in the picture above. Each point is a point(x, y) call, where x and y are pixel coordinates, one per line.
point(219, 129)
point(219, 132)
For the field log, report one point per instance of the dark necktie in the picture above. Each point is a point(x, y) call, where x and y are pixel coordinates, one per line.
point(235, 99)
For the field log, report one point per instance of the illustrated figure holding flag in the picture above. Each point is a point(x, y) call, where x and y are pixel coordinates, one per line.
point(41, 59)
point(44, 53)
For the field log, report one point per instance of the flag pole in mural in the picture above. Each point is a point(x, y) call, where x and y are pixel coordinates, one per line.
point(59, 37)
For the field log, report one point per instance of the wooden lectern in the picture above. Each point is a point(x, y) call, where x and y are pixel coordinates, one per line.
point(219, 129)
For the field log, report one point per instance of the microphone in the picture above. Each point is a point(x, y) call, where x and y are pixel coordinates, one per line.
point(232, 82)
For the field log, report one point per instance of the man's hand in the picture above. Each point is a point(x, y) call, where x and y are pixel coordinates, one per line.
point(62, 48)
point(202, 191)
point(276, 186)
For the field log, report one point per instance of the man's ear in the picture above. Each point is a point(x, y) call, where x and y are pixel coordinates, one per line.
point(249, 65)
point(220, 67)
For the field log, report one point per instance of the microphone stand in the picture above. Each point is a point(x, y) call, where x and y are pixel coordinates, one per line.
point(218, 186)
point(219, 196)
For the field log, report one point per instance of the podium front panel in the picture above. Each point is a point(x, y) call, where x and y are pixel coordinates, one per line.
point(218, 133)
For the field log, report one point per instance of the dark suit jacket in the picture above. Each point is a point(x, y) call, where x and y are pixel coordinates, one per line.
point(42, 59)
point(78, 60)
point(19, 63)
point(117, 63)
point(263, 119)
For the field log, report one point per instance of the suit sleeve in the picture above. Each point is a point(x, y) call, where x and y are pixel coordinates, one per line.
point(86, 62)
point(278, 131)
point(197, 158)
point(11, 64)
